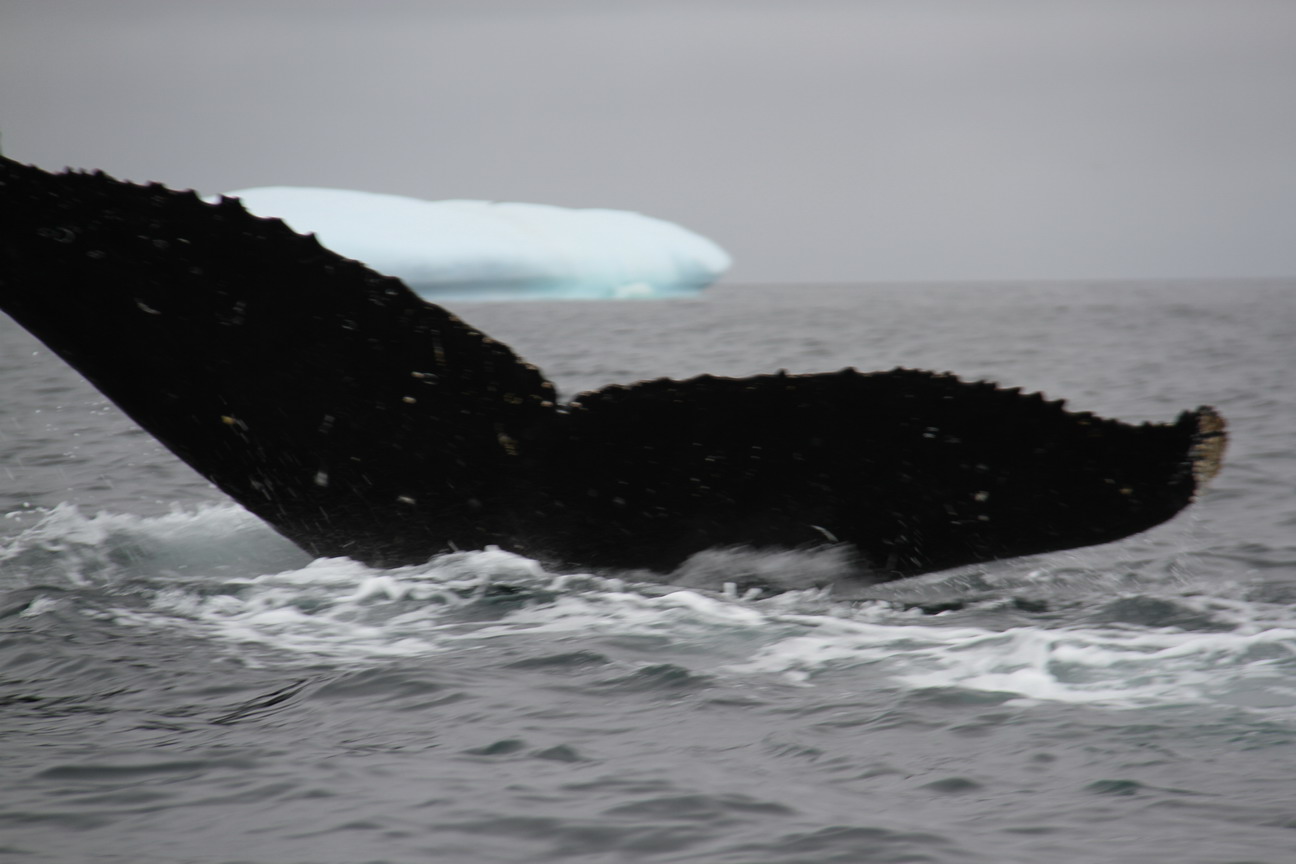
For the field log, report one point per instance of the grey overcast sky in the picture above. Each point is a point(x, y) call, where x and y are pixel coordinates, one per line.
point(817, 140)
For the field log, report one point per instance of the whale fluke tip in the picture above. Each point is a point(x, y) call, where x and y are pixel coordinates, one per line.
point(1210, 440)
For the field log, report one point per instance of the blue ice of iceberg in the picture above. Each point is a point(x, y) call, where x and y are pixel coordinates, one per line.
point(483, 250)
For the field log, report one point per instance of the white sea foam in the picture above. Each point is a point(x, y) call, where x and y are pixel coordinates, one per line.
point(210, 541)
point(1117, 666)
point(220, 573)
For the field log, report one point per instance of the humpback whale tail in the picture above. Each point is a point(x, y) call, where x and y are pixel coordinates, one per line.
point(360, 420)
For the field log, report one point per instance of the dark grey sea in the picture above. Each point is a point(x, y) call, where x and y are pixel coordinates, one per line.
point(178, 684)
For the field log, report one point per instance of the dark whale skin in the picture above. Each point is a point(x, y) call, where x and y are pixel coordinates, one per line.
point(360, 420)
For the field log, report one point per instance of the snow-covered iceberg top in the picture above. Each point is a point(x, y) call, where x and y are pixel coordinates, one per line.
point(478, 250)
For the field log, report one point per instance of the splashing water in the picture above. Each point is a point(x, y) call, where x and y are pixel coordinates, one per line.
point(176, 571)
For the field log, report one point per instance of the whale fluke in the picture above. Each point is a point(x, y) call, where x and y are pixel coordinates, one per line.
point(359, 420)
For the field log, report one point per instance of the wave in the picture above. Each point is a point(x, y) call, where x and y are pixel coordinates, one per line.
point(1131, 636)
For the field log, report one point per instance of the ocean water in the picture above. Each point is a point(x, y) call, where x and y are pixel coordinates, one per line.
point(178, 684)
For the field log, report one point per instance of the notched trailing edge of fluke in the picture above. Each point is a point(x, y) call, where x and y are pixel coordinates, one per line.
point(184, 312)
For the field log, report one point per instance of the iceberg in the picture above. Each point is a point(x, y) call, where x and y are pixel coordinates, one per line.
point(486, 250)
